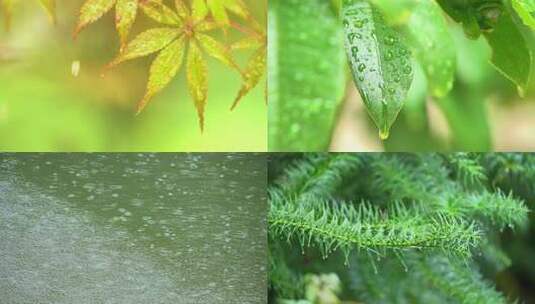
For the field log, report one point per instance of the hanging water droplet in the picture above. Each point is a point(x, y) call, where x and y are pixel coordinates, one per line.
point(384, 133)
point(361, 67)
point(407, 69)
point(390, 40)
point(521, 91)
point(295, 128)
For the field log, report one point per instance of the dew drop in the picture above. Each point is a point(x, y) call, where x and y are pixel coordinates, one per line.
point(383, 134)
point(521, 91)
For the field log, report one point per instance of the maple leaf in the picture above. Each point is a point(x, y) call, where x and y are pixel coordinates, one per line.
point(126, 12)
point(219, 8)
point(185, 37)
point(7, 7)
point(256, 67)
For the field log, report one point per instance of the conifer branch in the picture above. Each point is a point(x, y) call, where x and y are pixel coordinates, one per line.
point(420, 179)
point(459, 282)
point(428, 214)
point(467, 168)
point(318, 174)
point(331, 225)
point(497, 208)
point(283, 280)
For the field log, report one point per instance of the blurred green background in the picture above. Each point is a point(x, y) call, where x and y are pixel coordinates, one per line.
point(43, 107)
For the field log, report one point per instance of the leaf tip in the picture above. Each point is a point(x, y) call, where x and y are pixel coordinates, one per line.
point(521, 91)
point(76, 31)
point(384, 134)
point(143, 103)
point(109, 66)
point(201, 123)
point(237, 100)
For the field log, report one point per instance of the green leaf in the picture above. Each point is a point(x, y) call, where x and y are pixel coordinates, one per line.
point(91, 11)
point(197, 72)
point(252, 74)
point(163, 70)
point(433, 45)
point(306, 74)
point(415, 111)
point(476, 16)
point(380, 62)
point(459, 10)
point(511, 55)
point(146, 43)
point(396, 12)
point(126, 11)
point(462, 11)
point(526, 10)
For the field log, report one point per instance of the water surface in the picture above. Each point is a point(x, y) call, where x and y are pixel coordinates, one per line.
point(133, 228)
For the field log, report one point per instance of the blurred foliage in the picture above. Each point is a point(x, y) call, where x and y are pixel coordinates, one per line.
point(53, 98)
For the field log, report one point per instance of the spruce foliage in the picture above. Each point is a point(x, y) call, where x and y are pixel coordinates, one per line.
point(394, 228)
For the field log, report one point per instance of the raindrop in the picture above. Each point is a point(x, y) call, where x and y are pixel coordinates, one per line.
point(390, 40)
point(384, 133)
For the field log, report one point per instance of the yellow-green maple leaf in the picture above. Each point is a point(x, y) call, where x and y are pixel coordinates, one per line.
point(197, 80)
point(125, 14)
point(163, 69)
point(187, 34)
point(256, 68)
point(219, 8)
